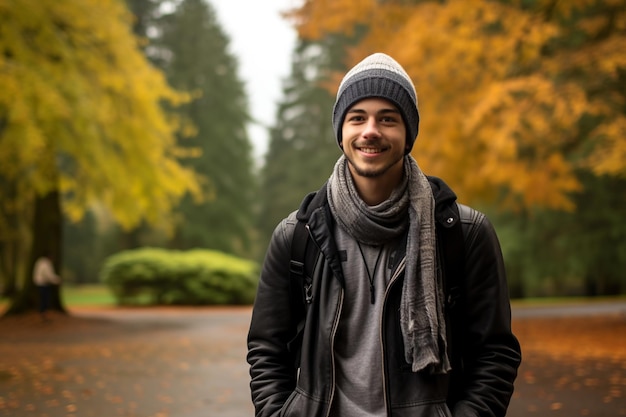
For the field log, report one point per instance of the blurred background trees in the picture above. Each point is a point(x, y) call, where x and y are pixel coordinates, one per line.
point(124, 125)
point(191, 48)
point(82, 121)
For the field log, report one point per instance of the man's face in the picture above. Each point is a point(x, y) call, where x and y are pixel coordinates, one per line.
point(374, 138)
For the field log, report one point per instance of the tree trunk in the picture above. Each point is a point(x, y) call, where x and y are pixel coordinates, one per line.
point(11, 243)
point(47, 239)
point(8, 268)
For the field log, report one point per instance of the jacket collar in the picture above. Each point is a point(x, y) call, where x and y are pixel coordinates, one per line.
point(445, 213)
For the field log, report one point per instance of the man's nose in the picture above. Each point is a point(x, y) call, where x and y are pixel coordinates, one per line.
point(371, 128)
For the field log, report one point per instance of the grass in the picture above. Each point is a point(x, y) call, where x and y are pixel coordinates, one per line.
point(80, 295)
point(87, 295)
point(550, 301)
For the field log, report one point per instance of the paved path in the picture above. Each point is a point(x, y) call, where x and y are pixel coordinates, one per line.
point(205, 374)
point(128, 363)
point(190, 362)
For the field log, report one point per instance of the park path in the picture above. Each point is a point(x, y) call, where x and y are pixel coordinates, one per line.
point(190, 362)
point(180, 362)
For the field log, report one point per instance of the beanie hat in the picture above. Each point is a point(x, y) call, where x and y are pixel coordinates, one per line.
point(381, 76)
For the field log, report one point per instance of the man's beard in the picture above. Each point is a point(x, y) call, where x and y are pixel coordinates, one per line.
point(373, 172)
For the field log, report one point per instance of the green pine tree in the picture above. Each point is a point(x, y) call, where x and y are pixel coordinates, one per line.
point(198, 61)
point(302, 148)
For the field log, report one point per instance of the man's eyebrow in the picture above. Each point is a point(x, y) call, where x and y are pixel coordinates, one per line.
point(389, 110)
point(381, 111)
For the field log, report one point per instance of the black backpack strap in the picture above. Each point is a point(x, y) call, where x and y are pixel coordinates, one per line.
point(453, 246)
point(299, 268)
point(301, 284)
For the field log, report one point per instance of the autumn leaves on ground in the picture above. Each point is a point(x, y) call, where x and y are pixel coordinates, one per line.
point(572, 367)
point(162, 362)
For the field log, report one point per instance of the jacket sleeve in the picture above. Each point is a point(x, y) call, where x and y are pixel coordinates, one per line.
point(491, 353)
point(272, 365)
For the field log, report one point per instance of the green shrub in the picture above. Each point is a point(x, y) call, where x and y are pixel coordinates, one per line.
point(167, 277)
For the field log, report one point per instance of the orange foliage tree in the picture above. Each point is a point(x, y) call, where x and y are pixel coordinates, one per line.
point(516, 97)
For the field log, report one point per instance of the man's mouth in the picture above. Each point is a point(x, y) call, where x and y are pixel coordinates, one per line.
point(370, 150)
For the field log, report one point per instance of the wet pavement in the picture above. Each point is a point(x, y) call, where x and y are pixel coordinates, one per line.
point(190, 362)
point(129, 363)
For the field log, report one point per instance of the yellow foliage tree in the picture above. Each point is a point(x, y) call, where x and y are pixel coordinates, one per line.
point(83, 121)
point(81, 111)
point(506, 95)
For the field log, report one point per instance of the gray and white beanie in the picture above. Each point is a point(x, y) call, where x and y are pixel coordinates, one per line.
point(378, 75)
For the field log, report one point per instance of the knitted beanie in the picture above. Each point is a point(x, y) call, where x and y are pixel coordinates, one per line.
point(378, 75)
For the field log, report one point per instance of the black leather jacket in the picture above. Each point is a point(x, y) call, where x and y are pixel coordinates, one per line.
point(485, 356)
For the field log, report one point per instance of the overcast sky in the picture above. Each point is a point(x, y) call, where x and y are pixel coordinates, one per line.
point(263, 43)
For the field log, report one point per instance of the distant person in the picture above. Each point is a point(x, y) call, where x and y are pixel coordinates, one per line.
point(44, 278)
point(370, 330)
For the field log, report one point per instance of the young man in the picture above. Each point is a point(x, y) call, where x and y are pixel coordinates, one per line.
point(374, 335)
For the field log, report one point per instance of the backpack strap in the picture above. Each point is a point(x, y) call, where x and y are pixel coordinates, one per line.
point(452, 247)
point(299, 269)
point(453, 252)
point(301, 285)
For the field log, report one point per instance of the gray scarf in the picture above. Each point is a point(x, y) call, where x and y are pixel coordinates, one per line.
point(421, 307)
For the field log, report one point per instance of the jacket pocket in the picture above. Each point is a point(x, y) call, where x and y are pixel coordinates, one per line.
point(290, 400)
point(299, 404)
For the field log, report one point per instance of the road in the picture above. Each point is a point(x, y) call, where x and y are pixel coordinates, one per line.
point(190, 362)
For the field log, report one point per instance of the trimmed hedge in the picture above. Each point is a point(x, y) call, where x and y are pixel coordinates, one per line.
point(166, 277)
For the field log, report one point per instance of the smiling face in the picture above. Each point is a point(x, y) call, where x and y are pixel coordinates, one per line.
point(374, 141)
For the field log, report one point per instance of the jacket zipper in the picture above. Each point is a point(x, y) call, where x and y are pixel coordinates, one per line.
point(334, 329)
point(332, 353)
point(393, 278)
